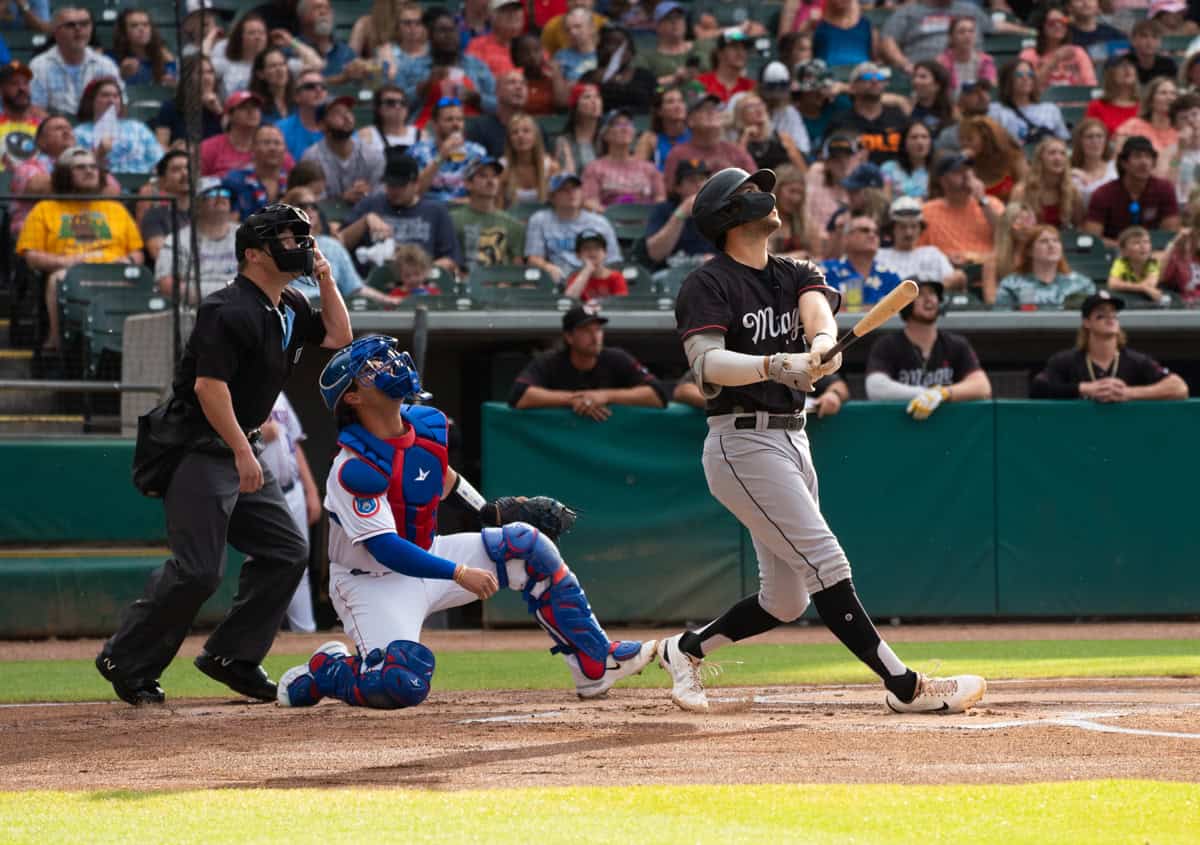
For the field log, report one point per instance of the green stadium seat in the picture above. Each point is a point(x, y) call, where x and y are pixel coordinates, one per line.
point(513, 286)
point(638, 302)
point(1073, 114)
point(667, 281)
point(334, 209)
point(1094, 265)
point(84, 284)
point(1160, 238)
point(524, 210)
point(552, 125)
point(131, 182)
point(1176, 44)
point(105, 326)
point(1071, 94)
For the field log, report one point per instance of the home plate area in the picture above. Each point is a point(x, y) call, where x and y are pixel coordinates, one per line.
point(1023, 731)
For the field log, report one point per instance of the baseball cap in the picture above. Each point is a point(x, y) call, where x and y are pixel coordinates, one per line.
point(480, 163)
point(975, 85)
point(610, 116)
point(500, 4)
point(691, 167)
point(775, 75)
point(732, 36)
point(840, 145)
point(1137, 144)
point(866, 175)
point(1120, 59)
point(191, 7)
point(905, 208)
point(665, 8)
point(14, 68)
point(561, 179)
point(949, 163)
point(589, 236)
point(813, 75)
point(577, 91)
point(706, 100)
point(240, 98)
point(870, 71)
point(1100, 297)
point(207, 183)
point(1158, 7)
point(400, 169)
point(344, 100)
point(581, 315)
point(67, 157)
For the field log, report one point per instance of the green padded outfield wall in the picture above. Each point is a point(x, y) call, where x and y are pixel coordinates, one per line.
point(1005, 508)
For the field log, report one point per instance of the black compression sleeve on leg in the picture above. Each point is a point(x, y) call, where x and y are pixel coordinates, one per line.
point(745, 619)
point(843, 614)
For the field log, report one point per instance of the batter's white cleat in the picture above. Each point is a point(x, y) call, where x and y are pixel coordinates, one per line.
point(687, 687)
point(955, 694)
point(625, 658)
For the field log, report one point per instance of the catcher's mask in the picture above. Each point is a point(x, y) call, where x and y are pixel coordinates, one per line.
point(266, 228)
point(374, 361)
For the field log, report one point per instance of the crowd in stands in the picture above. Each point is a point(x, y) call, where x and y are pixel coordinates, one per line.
point(984, 148)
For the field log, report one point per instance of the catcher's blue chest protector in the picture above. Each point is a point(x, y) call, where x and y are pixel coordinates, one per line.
point(414, 466)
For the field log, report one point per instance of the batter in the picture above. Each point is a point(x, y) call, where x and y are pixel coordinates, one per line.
point(744, 318)
point(388, 567)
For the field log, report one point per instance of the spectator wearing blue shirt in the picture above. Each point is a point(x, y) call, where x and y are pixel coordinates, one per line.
point(399, 212)
point(61, 73)
point(33, 15)
point(815, 100)
point(316, 30)
point(861, 280)
point(301, 129)
point(445, 71)
point(579, 56)
point(265, 179)
point(140, 52)
point(444, 159)
point(670, 229)
point(551, 233)
point(844, 36)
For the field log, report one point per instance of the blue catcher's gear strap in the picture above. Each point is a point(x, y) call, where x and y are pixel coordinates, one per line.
point(552, 594)
point(390, 679)
point(378, 453)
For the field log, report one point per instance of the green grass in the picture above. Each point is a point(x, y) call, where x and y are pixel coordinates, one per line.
point(746, 665)
point(1092, 812)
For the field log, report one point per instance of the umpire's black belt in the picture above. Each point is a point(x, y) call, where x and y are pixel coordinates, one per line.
point(786, 422)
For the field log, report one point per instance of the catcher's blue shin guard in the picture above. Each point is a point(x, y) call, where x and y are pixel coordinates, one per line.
point(553, 595)
point(387, 679)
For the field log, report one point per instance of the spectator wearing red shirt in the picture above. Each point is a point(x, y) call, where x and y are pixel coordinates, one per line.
point(707, 143)
point(1121, 97)
point(233, 149)
point(495, 48)
point(729, 61)
point(1135, 198)
point(594, 280)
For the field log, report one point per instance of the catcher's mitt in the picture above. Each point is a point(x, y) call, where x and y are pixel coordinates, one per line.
point(547, 515)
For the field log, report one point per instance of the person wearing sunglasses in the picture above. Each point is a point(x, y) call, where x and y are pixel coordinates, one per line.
point(1135, 198)
point(1055, 59)
point(878, 126)
point(301, 129)
point(61, 74)
point(215, 234)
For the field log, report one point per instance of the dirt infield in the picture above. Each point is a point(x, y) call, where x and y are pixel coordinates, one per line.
point(1025, 731)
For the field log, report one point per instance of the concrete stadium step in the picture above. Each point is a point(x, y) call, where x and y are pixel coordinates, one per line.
point(18, 364)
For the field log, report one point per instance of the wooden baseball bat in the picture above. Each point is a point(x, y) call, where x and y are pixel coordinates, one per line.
point(880, 313)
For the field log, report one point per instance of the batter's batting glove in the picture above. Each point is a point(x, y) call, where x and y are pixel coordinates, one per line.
point(925, 403)
point(547, 515)
point(792, 369)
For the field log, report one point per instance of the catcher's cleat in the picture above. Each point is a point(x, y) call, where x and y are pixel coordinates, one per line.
point(625, 658)
point(687, 689)
point(955, 694)
point(242, 676)
point(132, 691)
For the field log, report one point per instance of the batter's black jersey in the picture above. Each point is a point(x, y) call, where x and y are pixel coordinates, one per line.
point(950, 360)
point(615, 368)
point(1065, 370)
point(758, 311)
point(242, 339)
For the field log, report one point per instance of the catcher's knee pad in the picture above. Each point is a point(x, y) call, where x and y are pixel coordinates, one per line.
point(395, 677)
point(521, 541)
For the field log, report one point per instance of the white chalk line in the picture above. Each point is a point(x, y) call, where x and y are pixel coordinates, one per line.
point(515, 717)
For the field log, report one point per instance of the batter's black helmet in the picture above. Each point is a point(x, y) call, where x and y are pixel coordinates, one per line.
point(719, 207)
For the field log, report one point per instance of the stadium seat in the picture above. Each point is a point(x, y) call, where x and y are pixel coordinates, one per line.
point(1176, 44)
point(512, 285)
point(667, 282)
point(524, 210)
point(1071, 94)
point(131, 182)
point(334, 210)
point(1073, 114)
point(629, 221)
point(1161, 238)
point(84, 284)
point(105, 324)
point(1094, 265)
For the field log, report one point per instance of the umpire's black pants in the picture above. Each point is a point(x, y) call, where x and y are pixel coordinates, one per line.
point(204, 511)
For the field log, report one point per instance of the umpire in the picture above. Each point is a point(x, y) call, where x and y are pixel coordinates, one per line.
point(246, 340)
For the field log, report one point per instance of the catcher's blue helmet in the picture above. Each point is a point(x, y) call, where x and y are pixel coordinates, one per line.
point(376, 360)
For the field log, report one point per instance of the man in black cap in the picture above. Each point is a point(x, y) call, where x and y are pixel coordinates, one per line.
point(248, 337)
point(1135, 198)
point(352, 169)
point(670, 229)
point(974, 100)
point(1101, 367)
point(400, 212)
point(19, 118)
point(584, 375)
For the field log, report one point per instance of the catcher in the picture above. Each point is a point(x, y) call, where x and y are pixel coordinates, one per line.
point(388, 567)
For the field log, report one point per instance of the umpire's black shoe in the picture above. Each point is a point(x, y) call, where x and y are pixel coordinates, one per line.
point(131, 691)
point(241, 676)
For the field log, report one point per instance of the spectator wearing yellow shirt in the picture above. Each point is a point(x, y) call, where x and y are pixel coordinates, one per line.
point(58, 234)
point(1136, 270)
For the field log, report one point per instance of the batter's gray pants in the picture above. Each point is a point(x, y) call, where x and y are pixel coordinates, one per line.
point(204, 511)
point(766, 478)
